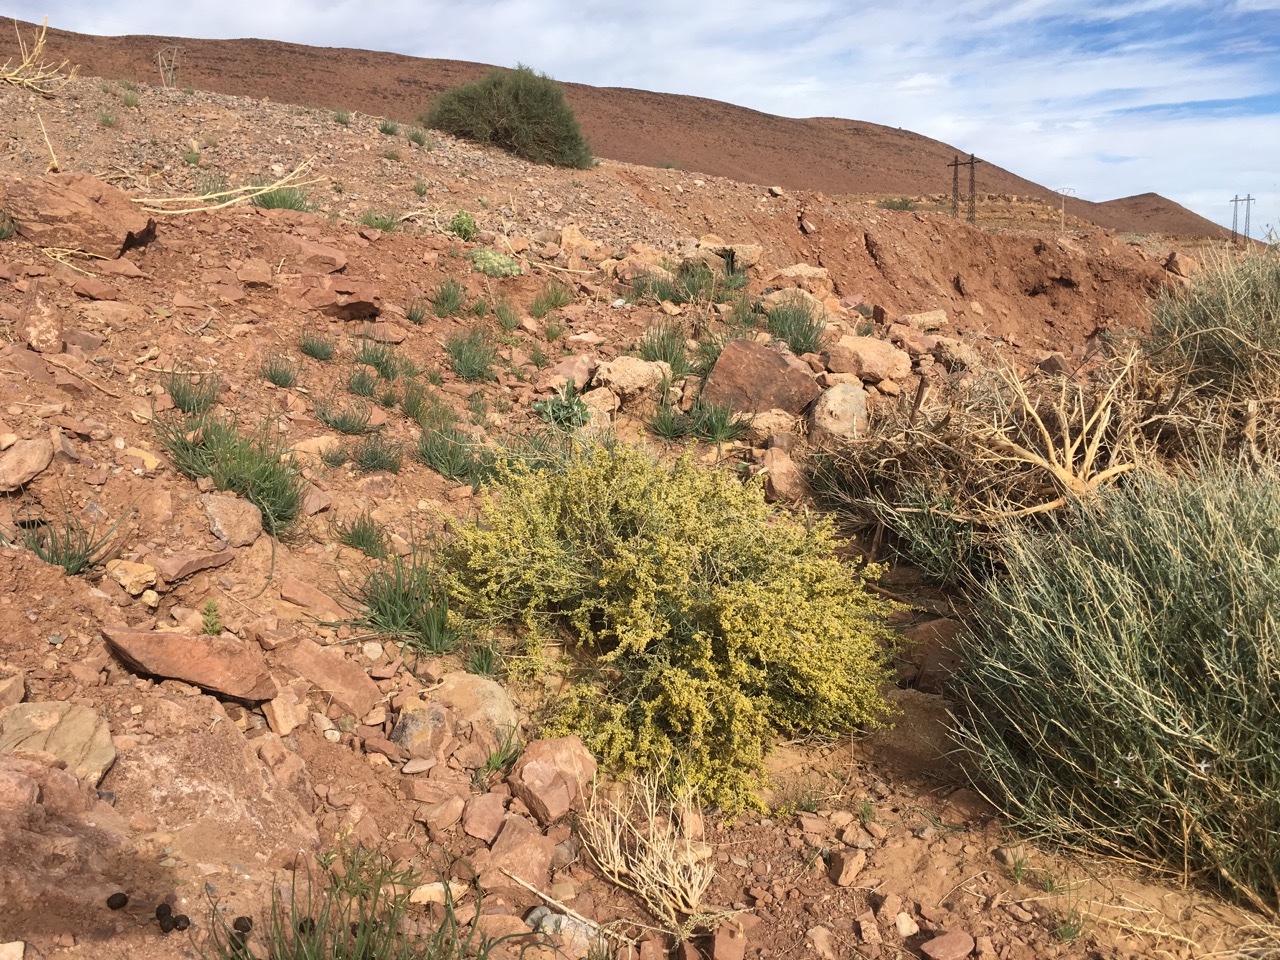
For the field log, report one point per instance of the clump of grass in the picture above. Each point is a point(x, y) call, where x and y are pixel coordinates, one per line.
point(106, 119)
point(417, 136)
point(450, 298)
point(348, 418)
point(362, 532)
point(508, 319)
point(191, 157)
point(554, 330)
point(666, 341)
point(375, 453)
point(416, 312)
point(471, 355)
point(280, 370)
point(392, 155)
point(692, 282)
point(129, 98)
point(795, 323)
point(193, 395)
point(378, 220)
point(334, 455)
point(705, 421)
point(420, 187)
point(254, 465)
point(363, 382)
point(482, 659)
point(551, 297)
point(897, 203)
point(342, 116)
point(68, 543)
point(316, 345)
point(282, 198)
point(388, 127)
point(381, 356)
point(454, 455)
point(463, 226)
point(387, 397)
point(478, 407)
point(403, 598)
point(8, 226)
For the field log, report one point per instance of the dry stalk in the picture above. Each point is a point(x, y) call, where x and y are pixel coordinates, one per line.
point(638, 844)
point(225, 198)
point(31, 73)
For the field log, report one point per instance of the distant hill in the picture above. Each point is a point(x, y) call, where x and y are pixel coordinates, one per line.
point(827, 154)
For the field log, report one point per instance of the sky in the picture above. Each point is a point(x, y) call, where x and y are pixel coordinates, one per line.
point(1107, 98)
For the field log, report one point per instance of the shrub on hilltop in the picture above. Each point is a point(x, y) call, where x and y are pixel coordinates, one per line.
point(705, 623)
point(521, 111)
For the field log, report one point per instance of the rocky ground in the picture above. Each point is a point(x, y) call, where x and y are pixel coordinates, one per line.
point(151, 751)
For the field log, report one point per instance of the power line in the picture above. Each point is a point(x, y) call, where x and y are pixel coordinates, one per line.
point(955, 166)
point(1248, 201)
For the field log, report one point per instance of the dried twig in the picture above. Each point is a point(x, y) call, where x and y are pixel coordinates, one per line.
point(225, 198)
point(30, 73)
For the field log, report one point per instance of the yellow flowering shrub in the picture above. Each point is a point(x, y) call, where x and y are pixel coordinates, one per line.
point(707, 622)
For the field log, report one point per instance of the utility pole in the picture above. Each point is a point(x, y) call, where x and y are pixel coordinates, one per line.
point(955, 166)
point(1063, 192)
point(955, 187)
point(1247, 200)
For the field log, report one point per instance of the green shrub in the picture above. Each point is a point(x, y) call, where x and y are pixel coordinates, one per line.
point(508, 319)
point(519, 111)
point(692, 282)
point(564, 410)
point(463, 226)
point(453, 454)
point(381, 356)
point(254, 465)
point(316, 345)
point(716, 622)
point(705, 420)
point(551, 297)
point(1120, 689)
point(449, 299)
point(417, 137)
point(348, 418)
point(897, 203)
point(68, 543)
point(342, 116)
point(416, 312)
point(471, 355)
point(376, 453)
point(666, 341)
point(794, 322)
point(494, 264)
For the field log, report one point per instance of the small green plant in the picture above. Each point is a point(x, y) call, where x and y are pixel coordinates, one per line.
point(478, 407)
point(794, 322)
point(416, 312)
point(388, 127)
point(692, 282)
point(210, 621)
point(551, 297)
point(666, 341)
point(106, 119)
point(387, 397)
point(508, 319)
point(471, 355)
point(520, 111)
point(191, 157)
point(129, 98)
point(501, 760)
point(381, 356)
point(68, 543)
point(375, 453)
point(334, 455)
point(129, 86)
point(362, 382)
point(450, 298)
point(365, 534)
point(402, 598)
point(281, 198)
point(418, 404)
point(494, 264)
point(8, 226)
point(453, 454)
point(463, 226)
point(482, 659)
point(669, 423)
point(212, 185)
point(342, 116)
point(349, 418)
point(417, 136)
point(1070, 925)
point(191, 394)
point(866, 813)
point(378, 220)
point(280, 370)
point(705, 421)
point(392, 155)
point(420, 187)
point(554, 330)
point(897, 203)
point(564, 410)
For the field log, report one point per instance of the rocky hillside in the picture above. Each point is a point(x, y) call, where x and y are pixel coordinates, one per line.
point(198, 709)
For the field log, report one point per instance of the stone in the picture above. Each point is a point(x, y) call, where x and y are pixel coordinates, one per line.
point(233, 519)
point(926, 322)
point(478, 700)
point(520, 850)
point(182, 565)
point(956, 356)
point(839, 416)
point(551, 777)
point(730, 941)
point(906, 925)
point(845, 865)
point(438, 892)
point(134, 577)
point(254, 273)
point(751, 377)
point(13, 689)
point(13, 950)
point(316, 257)
point(23, 462)
point(335, 678)
point(343, 298)
point(955, 945)
point(1180, 265)
point(771, 423)
point(631, 377)
point(577, 937)
point(483, 815)
point(91, 288)
point(215, 664)
point(74, 734)
point(288, 710)
point(869, 358)
point(75, 211)
point(40, 319)
point(578, 370)
point(315, 601)
point(1054, 364)
point(823, 943)
point(782, 478)
point(423, 729)
point(745, 255)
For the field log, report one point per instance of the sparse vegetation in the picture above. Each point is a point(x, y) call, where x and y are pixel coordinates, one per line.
point(192, 394)
point(897, 203)
point(374, 452)
point(450, 298)
point(129, 98)
point(106, 119)
point(388, 127)
point(420, 187)
point(365, 534)
point(508, 319)
point(210, 620)
point(471, 355)
point(281, 198)
point(692, 282)
point(67, 543)
point(348, 418)
point(564, 410)
point(519, 111)
point(403, 598)
point(553, 296)
point(8, 226)
point(342, 116)
point(494, 264)
point(280, 370)
point(666, 342)
point(795, 322)
point(705, 421)
point(380, 220)
point(381, 356)
point(416, 312)
point(463, 226)
point(417, 136)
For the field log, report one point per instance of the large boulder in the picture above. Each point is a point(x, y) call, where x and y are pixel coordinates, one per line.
point(752, 377)
point(869, 358)
point(840, 415)
point(75, 211)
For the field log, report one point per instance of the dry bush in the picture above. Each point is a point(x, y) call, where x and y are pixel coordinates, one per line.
point(31, 73)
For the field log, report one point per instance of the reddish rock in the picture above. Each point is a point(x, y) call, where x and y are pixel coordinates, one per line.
point(845, 865)
point(482, 817)
point(751, 377)
point(182, 565)
point(335, 678)
point(75, 211)
point(235, 520)
point(23, 462)
point(1180, 265)
point(216, 664)
point(955, 945)
point(551, 776)
point(344, 298)
point(255, 273)
point(577, 370)
point(782, 478)
point(316, 257)
point(316, 602)
point(869, 358)
point(77, 735)
point(40, 319)
point(730, 942)
point(423, 729)
point(520, 850)
point(91, 288)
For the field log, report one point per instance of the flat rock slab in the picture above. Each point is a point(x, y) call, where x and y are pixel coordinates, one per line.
point(316, 602)
point(214, 664)
point(23, 462)
point(77, 212)
point(182, 565)
point(955, 945)
point(72, 733)
point(335, 678)
point(751, 377)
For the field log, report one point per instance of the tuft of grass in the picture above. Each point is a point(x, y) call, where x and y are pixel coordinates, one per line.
point(478, 407)
point(551, 297)
point(316, 345)
point(692, 282)
point(254, 465)
point(403, 598)
point(666, 341)
point(375, 453)
point(349, 418)
point(381, 356)
point(508, 319)
point(342, 116)
point(454, 455)
point(282, 198)
point(129, 98)
point(482, 659)
point(106, 119)
point(210, 620)
point(8, 226)
point(392, 155)
point(420, 187)
point(365, 534)
point(897, 203)
point(450, 298)
point(416, 312)
point(471, 355)
point(68, 543)
point(669, 423)
point(705, 421)
point(193, 395)
point(378, 220)
point(794, 322)
point(554, 330)
point(388, 127)
point(463, 226)
point(501, 760)
point(334, 455)
point(191, 157)
point(417, 136)
point(363, 382)
point(280, 370)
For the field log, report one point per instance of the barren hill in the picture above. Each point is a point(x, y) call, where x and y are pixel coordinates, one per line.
point(655, 129)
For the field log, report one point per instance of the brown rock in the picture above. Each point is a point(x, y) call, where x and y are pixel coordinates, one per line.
point(824, 944)
point(335, 678)
point(423, 729)
point(521, 850)
point(480, 701)
point(869, 358)
point(751, 377)
point(235, 520)
point(1180, 265)
point(578, 370)
point(483, 815)
point(782, 478)
point(316, 602)
point(255, 273)
point(845, 865)
point(40, 320)
point(134, 577)
point(182, 565)
point(955, 355)
point(730, 942)
point(955, 945)
point(316, 257)
point(344, 299)
point(74, 734)
point(216, 664)
point(75, 211)
point(23, 462)
point(13, 689)
point(551, 776)
point(288, 710)
point(927, 322)
point(840, 415)
point(632, 377)
point(91, 288)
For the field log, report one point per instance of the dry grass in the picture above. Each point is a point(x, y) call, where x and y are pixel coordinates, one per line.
point(31, 73)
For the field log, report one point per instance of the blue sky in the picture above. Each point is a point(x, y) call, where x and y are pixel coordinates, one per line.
point(1180, 97)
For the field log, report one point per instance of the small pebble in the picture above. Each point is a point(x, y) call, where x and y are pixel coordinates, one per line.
point(242, 924)
point(117, 901)
point(163, 910)
point(181, 922)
